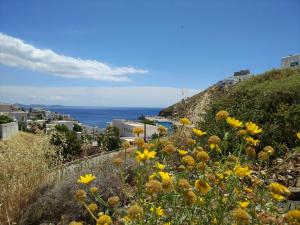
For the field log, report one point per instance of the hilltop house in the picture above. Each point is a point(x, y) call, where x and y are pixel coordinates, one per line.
point(235, 78)
point(290, 61)
point(13, 112)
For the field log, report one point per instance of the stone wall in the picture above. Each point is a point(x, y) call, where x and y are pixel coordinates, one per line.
point(8, 129)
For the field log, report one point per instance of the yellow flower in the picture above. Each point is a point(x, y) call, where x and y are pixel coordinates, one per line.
point(135, 212)
point(185, 121)
point(75, 223)
point(159, 166)
point(166, 179)
point(80, 195)
point(146, 155)
point(125, 145)
point(241, 216)
point(214, 146)
point(220, 176)
point(113, 201)
point(182, 152)
point(139, 142)
point(188, 161)
point(154, 187)
point(214, 221)
point(169, 149)
point(248, 190)
point(252, 128)
point(168, 223)
point(93, 207)
point(158, 211)
point(298, 135)
point(234, 122)
point(138, 130)
point(251, 141)
point(184, 184)
point(263, 156)
point(214, 140)
point(222, 114)
point(242, 171)
point(293, 216)
point(162, 129)
point(190, 141)
point(104, 220)
point(241, 133)
point(198, 133)
point(279, 189)
point(269, 150)
point(86, 179)
point(203, 156)
point(93, 190)
point(278, 197)
point(250, 151)
point(190, 197)
point(244, 205)
point(202, 186)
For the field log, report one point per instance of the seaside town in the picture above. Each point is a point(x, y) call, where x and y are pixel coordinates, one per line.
point(39, 118)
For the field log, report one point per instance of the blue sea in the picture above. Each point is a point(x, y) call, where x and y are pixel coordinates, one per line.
point(100, 116)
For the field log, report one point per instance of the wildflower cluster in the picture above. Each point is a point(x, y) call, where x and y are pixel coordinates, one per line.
point(198, 183)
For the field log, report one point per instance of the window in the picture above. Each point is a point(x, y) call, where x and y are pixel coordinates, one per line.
point(293, 64)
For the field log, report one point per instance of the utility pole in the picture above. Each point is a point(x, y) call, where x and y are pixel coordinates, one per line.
point(145, 133)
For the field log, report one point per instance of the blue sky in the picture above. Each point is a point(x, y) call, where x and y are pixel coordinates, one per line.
point(153, 47)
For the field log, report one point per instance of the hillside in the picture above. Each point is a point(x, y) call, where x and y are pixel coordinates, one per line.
point(193, 106)
point(271, 99)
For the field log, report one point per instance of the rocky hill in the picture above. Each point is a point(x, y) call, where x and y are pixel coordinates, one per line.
point(194, 107)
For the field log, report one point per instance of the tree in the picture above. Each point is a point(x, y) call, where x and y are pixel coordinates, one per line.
point(77, 128)
point(110, 139)
point(61, 128)
point(67, 141)
point(5, 119)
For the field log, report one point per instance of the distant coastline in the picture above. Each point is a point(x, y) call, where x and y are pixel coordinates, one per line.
point(100, 116)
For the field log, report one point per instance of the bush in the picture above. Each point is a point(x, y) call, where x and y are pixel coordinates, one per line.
point(77, 128)
point(67, 141)
point(110, 139)
point(271, 99)
point(196, 184)
point(5, 119)
point(61, 128)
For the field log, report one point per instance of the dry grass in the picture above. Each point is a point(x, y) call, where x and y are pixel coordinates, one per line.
point(24, 162)
point(56, 202)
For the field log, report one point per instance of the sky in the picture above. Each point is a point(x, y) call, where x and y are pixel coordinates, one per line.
point(137, 53)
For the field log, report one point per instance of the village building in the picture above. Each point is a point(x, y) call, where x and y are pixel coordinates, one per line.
point(126, 128)
point(291, 61)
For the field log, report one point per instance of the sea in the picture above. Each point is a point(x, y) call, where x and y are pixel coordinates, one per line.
point(100, 116)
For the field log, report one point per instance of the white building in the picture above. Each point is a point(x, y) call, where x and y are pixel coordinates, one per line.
point(290, 61)
point(13, 112)
point(69, 124)
point(126, 128)
point(235, 78)
point(8, 129)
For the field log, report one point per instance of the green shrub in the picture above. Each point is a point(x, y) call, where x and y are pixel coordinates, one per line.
point(67, 141)
point(5, 119)
point(77, 128)
point(109, 139)
point(271, 100)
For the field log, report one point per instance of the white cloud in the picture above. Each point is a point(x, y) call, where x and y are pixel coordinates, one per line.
point(16, 53)
point(94, 96)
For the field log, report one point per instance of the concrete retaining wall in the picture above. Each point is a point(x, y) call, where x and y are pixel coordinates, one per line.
point(8, 129)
